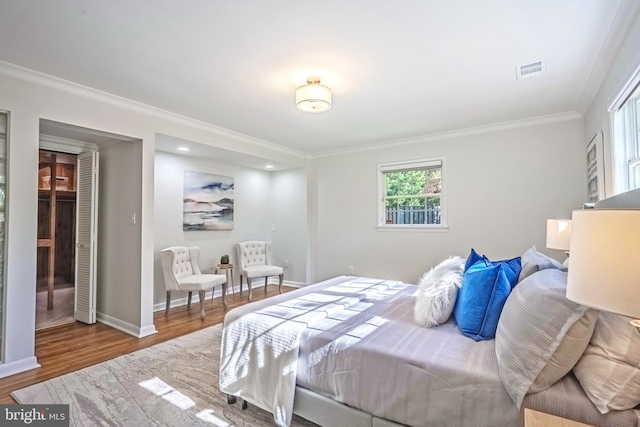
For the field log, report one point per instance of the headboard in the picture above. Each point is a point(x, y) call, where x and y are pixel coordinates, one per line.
point(628, 200)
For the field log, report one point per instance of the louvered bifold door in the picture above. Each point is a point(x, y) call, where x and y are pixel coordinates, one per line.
point(86, 237)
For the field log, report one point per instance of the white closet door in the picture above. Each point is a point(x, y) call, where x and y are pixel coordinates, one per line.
point(86, 237)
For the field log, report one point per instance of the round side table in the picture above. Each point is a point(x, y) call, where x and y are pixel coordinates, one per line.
point(228, 271)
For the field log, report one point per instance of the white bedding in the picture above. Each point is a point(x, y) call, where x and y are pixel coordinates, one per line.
point(259, 351)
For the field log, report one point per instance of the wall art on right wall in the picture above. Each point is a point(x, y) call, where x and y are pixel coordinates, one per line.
point(595, 168)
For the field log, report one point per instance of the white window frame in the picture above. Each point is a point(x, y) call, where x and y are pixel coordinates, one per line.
point(411, 165)
point(622, 162)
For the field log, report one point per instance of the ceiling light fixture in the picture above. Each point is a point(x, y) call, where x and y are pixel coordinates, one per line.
point(268, 167)
point(313, 97)
point(183, 149)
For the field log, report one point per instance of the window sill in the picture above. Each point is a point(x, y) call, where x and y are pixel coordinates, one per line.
point(415, 228)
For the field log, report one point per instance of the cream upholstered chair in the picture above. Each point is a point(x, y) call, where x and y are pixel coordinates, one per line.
point(181, 273)
point(254, 258)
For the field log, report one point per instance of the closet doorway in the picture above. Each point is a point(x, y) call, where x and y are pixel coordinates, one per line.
point(55, 291)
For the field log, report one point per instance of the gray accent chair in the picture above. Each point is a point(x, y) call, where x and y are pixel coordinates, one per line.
point(181, 273)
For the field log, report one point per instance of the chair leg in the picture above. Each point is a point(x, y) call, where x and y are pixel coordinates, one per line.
point(281, 277)
point(224, 295)
point(249, 286)
point(166, 310)
point(189, 300)
point(241, 284)
point(201, 299)
point(265, 284)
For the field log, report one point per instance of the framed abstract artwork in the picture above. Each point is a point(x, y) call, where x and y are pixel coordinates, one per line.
point(207, 202)
point(595, 168)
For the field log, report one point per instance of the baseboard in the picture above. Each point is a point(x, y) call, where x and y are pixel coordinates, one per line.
point(177, 302)
point(294, 284)
point(22, 365)
point(125, 327)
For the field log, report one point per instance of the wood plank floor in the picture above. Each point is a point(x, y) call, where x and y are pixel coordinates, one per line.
point(67, 348)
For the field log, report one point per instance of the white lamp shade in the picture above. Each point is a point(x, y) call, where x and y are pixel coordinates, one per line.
point(558, 234)
point(605, 260)
point(313, 97)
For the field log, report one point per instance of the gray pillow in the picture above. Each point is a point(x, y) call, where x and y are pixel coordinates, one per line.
point(609, 369)
point(541, 334)
point(533, 261)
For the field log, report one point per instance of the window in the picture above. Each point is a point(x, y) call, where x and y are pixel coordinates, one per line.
point(411, 194)
point(626, 141)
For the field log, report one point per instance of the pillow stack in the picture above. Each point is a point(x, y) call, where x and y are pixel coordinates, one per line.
point(485, 287)
point(541, 334)
point(609, 369)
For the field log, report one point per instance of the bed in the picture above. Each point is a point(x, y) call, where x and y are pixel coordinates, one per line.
point(347, 351)
point(368, 364)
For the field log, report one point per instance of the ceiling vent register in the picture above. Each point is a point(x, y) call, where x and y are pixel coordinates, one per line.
point(529, 71)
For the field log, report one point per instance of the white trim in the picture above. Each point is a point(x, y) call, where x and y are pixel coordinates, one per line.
point(31, 76)
point(626, 90)
point(433, 162)
point(177, 302)
point(125, 327)
point(147, 330)
point(65, 145)
point(414, 228)
point(22, 365)
point(515, 124)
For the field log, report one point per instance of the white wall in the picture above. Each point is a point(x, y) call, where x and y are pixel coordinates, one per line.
point(289, 215)
point(598, 118)
point(29, 97)
point(251, 212)
point(501, 186)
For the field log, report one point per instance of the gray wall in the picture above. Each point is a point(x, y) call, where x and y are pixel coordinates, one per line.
point(119, 241)
point(501, 186)
point(289, 216)
point(598, 119)
point(251, 214)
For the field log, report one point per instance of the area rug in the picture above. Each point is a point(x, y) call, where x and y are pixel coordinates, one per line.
point(174, 383)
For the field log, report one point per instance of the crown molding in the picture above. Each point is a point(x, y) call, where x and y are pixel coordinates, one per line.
point(65, 145)
point(46, 80)
point(515, 124)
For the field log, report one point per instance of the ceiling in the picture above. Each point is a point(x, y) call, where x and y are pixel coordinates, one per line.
point(397, 69)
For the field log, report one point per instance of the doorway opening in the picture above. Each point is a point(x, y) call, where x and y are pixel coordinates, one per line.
point(55, 275)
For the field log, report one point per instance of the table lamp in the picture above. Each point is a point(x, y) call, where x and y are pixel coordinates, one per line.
point(559, 234)
point(605, 261)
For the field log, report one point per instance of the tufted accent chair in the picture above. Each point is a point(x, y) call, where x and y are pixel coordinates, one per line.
point(255, 261)
point(181, 273)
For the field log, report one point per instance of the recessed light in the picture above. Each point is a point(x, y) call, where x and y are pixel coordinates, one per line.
point(183, 149)
point(268, 167)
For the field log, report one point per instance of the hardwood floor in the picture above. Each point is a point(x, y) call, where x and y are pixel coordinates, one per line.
point(67, 348)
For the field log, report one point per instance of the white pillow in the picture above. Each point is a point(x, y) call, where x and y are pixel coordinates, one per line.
point(437, 292)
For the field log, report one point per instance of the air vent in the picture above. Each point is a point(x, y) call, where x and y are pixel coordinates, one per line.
point(529, 71)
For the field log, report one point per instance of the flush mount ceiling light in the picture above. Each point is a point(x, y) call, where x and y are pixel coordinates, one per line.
point(313, 97)
point(183, 149)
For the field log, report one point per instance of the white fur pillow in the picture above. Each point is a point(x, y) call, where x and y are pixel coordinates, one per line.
point(437, 292)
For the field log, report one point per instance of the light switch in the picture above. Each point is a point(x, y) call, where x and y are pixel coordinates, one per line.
point(132, 219)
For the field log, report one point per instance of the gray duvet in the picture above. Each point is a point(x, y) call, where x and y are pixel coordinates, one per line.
point(373, 357)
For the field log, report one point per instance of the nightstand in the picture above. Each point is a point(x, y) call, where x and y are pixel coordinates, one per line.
point(540, 419)
point(228, 271)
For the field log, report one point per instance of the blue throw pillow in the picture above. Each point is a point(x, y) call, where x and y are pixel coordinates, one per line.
point(485, 288)
point(512, 269)
point(473, 258)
